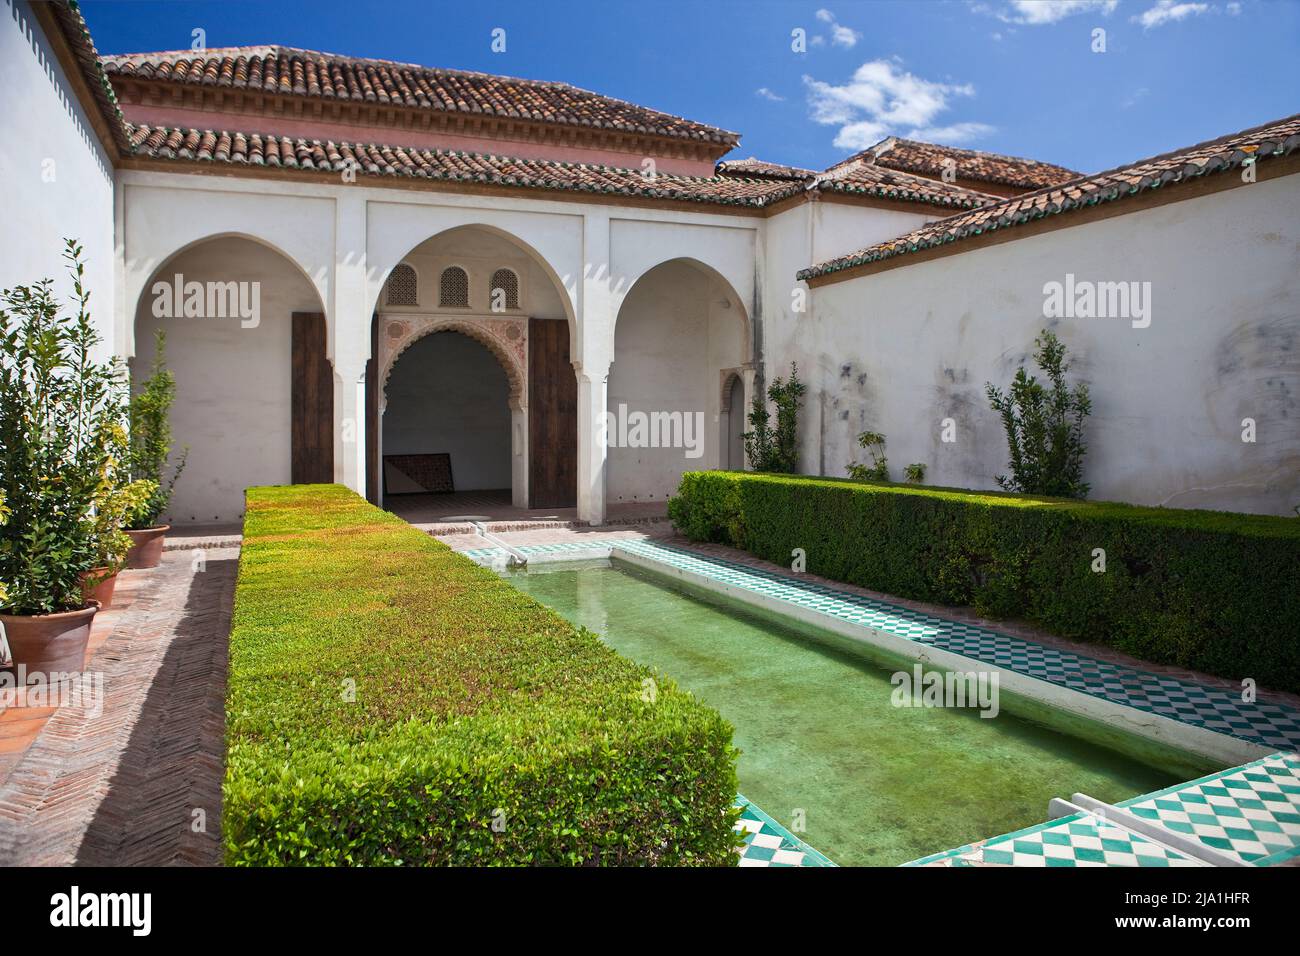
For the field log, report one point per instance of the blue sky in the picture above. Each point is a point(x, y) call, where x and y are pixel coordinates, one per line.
point(1011, 76)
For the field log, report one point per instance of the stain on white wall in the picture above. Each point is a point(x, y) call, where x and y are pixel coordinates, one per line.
point(903, 349)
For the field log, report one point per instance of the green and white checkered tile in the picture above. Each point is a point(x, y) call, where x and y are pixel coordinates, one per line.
point(1272, 725)
point(1080, 839)
point(767, 843)
point(1251, 812)
point(487, 555)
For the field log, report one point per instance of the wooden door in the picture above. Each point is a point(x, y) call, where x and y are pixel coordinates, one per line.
point(552, 417)
point(311, 402)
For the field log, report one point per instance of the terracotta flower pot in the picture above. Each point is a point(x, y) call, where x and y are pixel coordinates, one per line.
point(146, 547)
point(97, 584)
point(49, 643)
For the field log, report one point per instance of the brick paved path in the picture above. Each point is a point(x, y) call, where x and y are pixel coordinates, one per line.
point(121, 787)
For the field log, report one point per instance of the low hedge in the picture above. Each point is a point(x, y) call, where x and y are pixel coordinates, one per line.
point(1213, 591)
point(473, 704)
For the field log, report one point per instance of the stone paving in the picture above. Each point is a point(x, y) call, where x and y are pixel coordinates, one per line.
point(138, 780)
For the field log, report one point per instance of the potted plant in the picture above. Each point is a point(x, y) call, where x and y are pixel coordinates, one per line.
point(116, 502)
point(151, 442)
point(58, 409)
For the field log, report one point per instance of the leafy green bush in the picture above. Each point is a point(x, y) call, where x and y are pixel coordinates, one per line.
point(1044, 427)
point(1214, 591)
point(60, 432)
point(389, 701)
point(151, 438)
point(878, 470)
point(776, 449)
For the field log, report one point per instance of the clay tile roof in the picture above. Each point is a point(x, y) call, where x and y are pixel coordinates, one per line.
point(375, 159)
point(757, 167)
point(929, 159)
point(308, 73)
point(861, 177)
point(1166, 171)
point(77, 34)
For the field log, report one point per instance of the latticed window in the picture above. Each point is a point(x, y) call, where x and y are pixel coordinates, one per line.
point(453, 289)
point(503, 294)
point(403, 287)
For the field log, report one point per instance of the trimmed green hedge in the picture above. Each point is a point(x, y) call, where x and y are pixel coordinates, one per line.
point(470, 698)
point(1213, 591)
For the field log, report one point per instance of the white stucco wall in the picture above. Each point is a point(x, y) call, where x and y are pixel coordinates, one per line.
point(58, 181)
point(447, 393)
point(232, 383)
point(905, 348)
point(678, 328)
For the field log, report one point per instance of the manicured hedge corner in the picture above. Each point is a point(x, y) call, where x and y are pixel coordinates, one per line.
point(1209, 590)
point(389, 701)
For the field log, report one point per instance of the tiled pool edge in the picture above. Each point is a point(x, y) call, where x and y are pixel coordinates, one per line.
point(1198, 742)
point(768, 843)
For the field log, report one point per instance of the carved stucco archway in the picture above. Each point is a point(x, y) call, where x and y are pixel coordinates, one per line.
point(505, 337)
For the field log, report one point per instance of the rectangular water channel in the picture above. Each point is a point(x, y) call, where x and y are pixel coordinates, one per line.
point(875, 784)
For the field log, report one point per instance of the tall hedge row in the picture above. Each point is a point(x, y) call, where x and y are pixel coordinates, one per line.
point(390, 702)
point(1214, 591)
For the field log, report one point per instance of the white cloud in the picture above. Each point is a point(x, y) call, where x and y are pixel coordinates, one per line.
point(840, 34)
point(1233, 9)
point(1169, 11)
point(952, 134)
point(1040, 12)
point(767, 94)
point(1134, 98)
point(883, 99)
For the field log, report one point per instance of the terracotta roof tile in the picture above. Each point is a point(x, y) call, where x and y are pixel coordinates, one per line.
point(376, 159)
point(928, 159)
point(1166, 171)
point(865, 178)
point(757, 167)
point(859, 177)
point(283, 70)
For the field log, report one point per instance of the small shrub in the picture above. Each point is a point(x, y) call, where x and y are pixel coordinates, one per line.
point(151, 438)
point(1044, 427)
point(915, 473)
point(776, 449)
point(878, 470)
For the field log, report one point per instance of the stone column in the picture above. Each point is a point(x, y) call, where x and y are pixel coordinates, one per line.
point(593, 400)
point(349, 345)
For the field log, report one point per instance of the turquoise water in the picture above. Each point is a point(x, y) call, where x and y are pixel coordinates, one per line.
point(820, 738)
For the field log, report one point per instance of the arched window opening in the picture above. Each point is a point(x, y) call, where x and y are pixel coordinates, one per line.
point(503, 293)
point(453, 288)
point(403, 287)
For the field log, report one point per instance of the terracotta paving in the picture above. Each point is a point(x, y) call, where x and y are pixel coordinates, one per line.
point(120, 784)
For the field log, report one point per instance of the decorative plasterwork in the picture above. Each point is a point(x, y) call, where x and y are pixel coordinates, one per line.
point(505, 337)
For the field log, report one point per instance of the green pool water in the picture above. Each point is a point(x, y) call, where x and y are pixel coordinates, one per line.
point(876, 784)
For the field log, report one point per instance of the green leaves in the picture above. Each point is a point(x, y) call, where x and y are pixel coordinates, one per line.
point(60, 418)
point(151, 439)
point(1208, 590)
point(474, 704)
point(1044, 427)
point(776, 449)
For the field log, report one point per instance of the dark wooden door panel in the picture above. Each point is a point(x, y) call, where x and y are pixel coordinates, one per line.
point(311, 402)
point(552, 417)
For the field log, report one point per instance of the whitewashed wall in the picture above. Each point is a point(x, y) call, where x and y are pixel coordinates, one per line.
point(58, 181)
point(232, 383)
point(678, 328)
point(908, 347)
